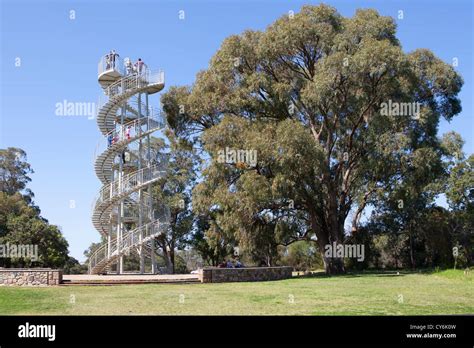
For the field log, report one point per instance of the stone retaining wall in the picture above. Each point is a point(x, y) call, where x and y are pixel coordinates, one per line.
point(30, 277)
point(247, 274)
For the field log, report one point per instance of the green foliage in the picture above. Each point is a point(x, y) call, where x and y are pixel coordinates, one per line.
point(172, 196)
point(436, 232)
point(180, 266)
point(191, 259)
point(460, 196)
point(20, 220)
point(14, 171)
point(460, 188)
point(302, 256)
point(306, 94)
point(73, 266)
point(210, 242)
point(20, 224)
point(376, 293)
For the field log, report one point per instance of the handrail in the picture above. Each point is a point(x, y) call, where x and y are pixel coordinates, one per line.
point(128, 183)
point(133, 238)
point(104, 99)
point(121, 83)
point(135, 80)
point(148, 209)
point(129, 131)
point(143, 234)
point(124, 85)
point(108, 64)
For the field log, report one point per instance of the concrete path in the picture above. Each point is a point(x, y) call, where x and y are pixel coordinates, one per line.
point(94, 279)
point(73, 277)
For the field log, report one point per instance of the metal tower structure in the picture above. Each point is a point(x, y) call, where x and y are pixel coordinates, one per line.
point(127, 165)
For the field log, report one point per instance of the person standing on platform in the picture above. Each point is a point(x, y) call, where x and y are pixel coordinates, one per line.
point(127, 132)
point(107, 61)
point(128, 66)
point(113, 56)
point(139, 66)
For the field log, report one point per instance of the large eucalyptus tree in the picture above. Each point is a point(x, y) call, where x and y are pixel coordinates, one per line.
point(336, 112)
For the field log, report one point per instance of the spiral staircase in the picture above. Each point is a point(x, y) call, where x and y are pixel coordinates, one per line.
point(123, 212)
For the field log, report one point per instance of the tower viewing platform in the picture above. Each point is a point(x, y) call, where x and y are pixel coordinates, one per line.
point(125, 212)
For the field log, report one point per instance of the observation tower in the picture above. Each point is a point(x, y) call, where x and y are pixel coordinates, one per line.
point(127, 165)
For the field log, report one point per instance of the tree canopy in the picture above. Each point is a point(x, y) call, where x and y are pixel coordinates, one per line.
point(339, 117)
point(20, 221)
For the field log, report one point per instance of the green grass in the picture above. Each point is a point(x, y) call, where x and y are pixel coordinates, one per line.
point(446, 292)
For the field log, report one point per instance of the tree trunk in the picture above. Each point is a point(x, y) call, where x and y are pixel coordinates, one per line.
point(172, 258)
point(332, 265)
point(169, 265)
point(412, 256)
point(168, 260)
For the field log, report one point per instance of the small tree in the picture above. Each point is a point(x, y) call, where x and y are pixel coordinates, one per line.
point(173, 195)
point(20, 220)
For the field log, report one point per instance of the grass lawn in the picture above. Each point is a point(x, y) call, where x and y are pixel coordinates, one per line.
point(445, 292)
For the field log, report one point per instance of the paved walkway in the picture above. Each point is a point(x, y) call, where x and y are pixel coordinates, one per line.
point(129, 277)
point(94, 279)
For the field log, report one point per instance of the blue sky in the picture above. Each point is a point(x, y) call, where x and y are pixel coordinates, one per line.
point(59, 57)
